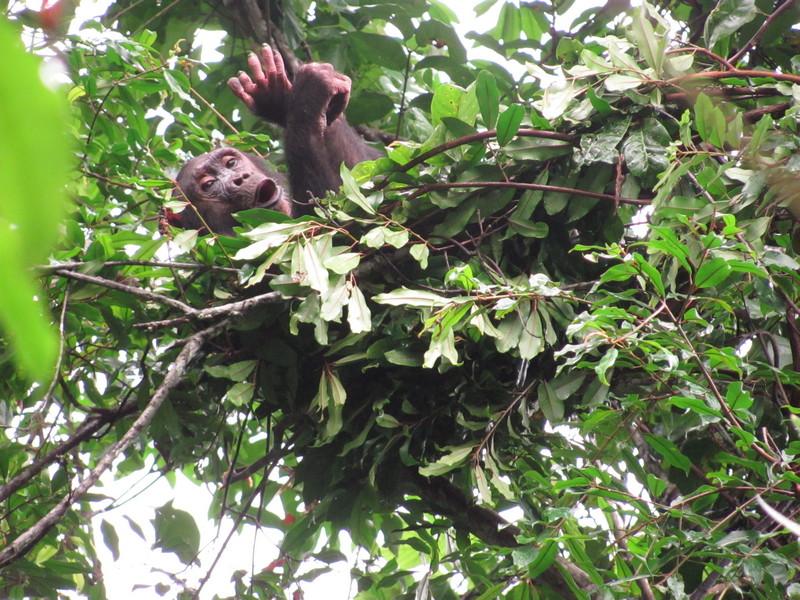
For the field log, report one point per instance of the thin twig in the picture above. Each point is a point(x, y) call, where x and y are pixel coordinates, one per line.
point(234, 309)
point(476, 137)
point(128, 289)
point(424, 189)
point(138, 263)
point(736, 73)
point(697, 49)
point(761, 31)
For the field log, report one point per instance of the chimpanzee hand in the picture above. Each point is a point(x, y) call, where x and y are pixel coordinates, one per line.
point(267, 93)
point(318, 97)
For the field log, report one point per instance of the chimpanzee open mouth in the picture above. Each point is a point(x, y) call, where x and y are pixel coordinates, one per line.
point(268, 193)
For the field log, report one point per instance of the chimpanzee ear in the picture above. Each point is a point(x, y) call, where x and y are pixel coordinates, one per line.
point(335, 108)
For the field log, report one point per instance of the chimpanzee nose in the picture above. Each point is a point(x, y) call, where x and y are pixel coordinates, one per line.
point(240, 178)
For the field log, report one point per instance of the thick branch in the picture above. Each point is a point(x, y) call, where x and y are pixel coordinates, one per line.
point(491, 528)
point(86, 430)
point(25, 541)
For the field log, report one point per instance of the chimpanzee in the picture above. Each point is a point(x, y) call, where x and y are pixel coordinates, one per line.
point(317, 141)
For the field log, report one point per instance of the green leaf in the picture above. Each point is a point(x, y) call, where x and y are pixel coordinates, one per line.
point(488, 98)
point(334, 301)
point(552, 406)
point(406, 297)
point(533, 22)
point(710, 121)
point(352, 191)
point(595, 62)
point(493, 592)
point(528, 228)
point(374, 238)
point(176, 531)
point(455, 69)
point(238, 372)
point(446, 102)
point(646, 149)
point(695, 405)
point(448, 462)
point(727, 17)
point(358, 315)
point(651, 273)
point(603, 146)
point(368, 106)
point(669, 451)
point(531, 340)
point(420, 253)
point(396, 238)
point(651, 45)
point(621, 272)
point(267, 236)
point(671, 246)
point(34, 159)
point(110, 538)
point(543, 558)
point(711, 273)
point(607, 361)
point(343, 263)
point(739, 401)
point(383, 50)
point(240, 394)
point(316, 274)
point(508, 123)
point(509, 24)
point(330, 400)
point(621, 83)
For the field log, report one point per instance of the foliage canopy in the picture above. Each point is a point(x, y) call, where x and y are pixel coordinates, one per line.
point(569, 289)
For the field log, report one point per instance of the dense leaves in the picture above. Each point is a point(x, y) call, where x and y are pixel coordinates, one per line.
point(547, 347)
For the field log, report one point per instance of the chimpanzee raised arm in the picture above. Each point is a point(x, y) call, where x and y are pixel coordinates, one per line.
point(317, 141)
point(317, 138)
point(266, 94)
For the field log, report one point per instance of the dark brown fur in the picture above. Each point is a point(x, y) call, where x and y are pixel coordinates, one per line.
point(223, 182)
point(317, 140)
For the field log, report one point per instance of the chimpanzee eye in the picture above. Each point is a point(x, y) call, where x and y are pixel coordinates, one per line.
point(207, 184)
point(230, 163)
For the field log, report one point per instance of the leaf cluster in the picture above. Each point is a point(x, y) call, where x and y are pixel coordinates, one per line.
point(547, 347)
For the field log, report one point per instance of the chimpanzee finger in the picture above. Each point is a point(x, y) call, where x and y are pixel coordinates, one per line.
point(255, 68)
point(238, 89)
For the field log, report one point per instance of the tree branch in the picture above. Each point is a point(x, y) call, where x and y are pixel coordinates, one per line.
point(736, 73)
point(234, 309)
point(86, 430)
point(25, 541)
point(762, 30)
point(138, 263)
point(475, 137)
point(491, 528)
point(128, 289)
point(424, 189)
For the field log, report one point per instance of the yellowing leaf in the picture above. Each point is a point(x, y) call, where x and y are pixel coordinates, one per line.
point(448, 462)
